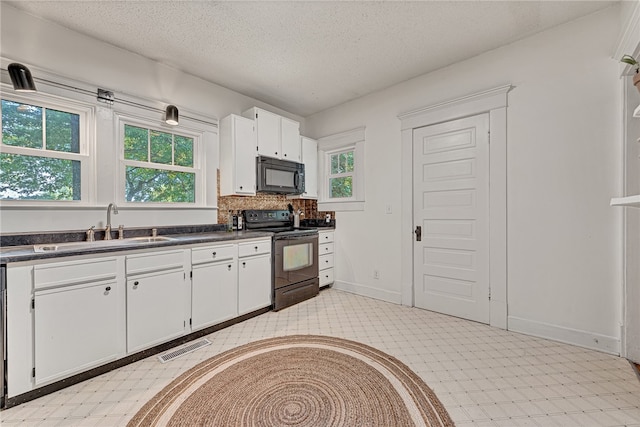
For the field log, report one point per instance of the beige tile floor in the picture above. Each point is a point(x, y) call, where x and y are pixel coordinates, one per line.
point(484, 376)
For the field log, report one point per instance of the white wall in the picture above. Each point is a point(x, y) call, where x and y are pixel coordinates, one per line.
point(43, 45)
point(564, 146)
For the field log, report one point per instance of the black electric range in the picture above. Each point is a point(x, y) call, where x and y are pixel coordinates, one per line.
point(295, 256)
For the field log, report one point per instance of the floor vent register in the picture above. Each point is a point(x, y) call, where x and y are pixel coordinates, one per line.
point(189, 348)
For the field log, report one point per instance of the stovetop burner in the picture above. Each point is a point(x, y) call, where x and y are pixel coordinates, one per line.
point(276, 221)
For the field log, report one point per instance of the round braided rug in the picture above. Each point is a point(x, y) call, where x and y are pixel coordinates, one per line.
point(301, 380)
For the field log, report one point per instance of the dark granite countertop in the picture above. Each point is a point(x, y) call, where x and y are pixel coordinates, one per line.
point(18, 253)
point(59, 244)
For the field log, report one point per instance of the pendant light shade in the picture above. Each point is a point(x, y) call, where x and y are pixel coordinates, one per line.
point(21, 78)
point(171, 115)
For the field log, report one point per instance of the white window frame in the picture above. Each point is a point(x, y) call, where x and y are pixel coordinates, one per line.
point(198, 161)
point(86, 156)
point(352, 140)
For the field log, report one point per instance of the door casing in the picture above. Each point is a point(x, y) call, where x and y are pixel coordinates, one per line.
point(493, 102)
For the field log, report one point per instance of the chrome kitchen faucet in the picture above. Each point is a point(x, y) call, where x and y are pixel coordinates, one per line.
point(107, 229)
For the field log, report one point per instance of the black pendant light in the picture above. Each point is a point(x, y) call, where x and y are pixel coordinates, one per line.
point(21, 78)
point(171, 115)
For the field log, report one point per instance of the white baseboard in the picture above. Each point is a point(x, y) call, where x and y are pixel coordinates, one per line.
point(367, 291)
point(586, 339)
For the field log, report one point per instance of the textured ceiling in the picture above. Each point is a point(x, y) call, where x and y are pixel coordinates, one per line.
point(303, 56)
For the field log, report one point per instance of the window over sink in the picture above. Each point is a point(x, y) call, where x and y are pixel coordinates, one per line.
point(159, 165)
point(45, 150)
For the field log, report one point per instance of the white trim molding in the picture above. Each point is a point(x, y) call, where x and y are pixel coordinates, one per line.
point(604, 343)
point(368, 291)
point(494, 102)
point(628, 44)
point(354, 139)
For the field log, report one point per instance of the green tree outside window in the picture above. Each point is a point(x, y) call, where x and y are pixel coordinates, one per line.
point(341, 175)
point(28, 176)
point(155, 184)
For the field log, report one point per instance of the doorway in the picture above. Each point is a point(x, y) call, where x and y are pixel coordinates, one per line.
point(451, 214)
point(492, 105)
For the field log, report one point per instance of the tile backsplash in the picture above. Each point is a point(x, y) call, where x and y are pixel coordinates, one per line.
point(266, 201)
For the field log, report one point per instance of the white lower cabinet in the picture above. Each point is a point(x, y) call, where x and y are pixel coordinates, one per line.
point(326, 257)
point(66, 317)
point(76, 317)
point(254, 276)
point(76, 328)
point(214, 285)
point(155, 310)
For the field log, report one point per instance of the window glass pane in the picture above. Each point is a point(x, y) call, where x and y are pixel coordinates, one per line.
point(335, 167)
point(155, 185)
point(342, 162)
point(63, 131)
point(161, 147)
point(348, 161)
point(340, 187)
point(136, 142)
point(38, 178)
point(183, 151)
point(21, 124)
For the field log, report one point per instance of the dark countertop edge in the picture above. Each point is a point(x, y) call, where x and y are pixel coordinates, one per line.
point(26, 253)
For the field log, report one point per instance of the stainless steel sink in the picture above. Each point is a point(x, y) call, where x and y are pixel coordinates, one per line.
point(149, 239)
point(78, 246)
point(73, 246)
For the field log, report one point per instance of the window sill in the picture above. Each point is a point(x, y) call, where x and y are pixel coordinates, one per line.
point(18, 205)
point(341, 206)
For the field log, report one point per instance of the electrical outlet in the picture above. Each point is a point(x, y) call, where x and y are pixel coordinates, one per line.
point(376, 274)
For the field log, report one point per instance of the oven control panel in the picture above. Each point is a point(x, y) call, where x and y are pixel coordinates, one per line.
point(263, 215)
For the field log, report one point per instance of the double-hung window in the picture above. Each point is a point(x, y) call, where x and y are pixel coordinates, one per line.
point(341, 173)
point(160, 165)
point(341, 158)
point(45, 155)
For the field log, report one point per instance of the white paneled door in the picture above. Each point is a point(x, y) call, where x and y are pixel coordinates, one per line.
point(451, 212)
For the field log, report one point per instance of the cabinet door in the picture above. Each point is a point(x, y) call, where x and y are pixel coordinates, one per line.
point(154, 309)
point(268, 133)
point(76, 328)
point(237, 156)
point(254, 283)
point(290, 134)
point(214, 295)
point(245, 156)
point(310, 160)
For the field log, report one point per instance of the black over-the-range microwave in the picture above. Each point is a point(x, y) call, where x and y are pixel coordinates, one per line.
point(277, 176)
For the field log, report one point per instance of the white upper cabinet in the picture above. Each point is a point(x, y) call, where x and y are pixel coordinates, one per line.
point(309, 148)
point(237, 156)
point(277, 136)
point(290, 136)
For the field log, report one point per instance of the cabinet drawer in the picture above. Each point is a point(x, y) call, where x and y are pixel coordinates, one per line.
point(155, 261)
point(254, 248)
point(326, 277)
point(65, 273)
point(325, 261)
point(325, 237)
point(213, 253)
point(326, 248)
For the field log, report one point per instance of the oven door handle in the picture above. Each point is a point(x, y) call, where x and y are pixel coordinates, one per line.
point(304, 237)
point(296, 179)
